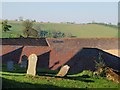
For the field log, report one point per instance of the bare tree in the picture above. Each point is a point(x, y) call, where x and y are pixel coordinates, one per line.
point(28, 29)
point(20, 18)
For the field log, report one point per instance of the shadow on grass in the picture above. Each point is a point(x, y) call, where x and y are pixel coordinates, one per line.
point(51, 74)
point(22, 70)
point(6, 84)
point(12, 74)
point(83, 78)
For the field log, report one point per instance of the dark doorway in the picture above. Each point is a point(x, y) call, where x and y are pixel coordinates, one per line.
point(43, 60)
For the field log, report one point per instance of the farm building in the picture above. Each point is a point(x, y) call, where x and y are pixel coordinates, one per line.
point(79, 53)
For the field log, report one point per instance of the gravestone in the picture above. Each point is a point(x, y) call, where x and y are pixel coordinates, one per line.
point(32, 61)
point(10, 66)
point(63, 71)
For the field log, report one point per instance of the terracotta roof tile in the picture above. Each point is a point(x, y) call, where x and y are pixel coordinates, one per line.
point(25, 41)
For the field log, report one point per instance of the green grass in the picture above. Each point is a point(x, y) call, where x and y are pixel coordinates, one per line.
point(78, 30)
point(48, 80)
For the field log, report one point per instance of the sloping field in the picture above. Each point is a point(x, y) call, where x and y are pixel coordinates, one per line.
point(78, 30)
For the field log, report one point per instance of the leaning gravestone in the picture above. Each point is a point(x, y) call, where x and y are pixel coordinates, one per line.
point(10, 66)
point(63, 71)
point(32, 60)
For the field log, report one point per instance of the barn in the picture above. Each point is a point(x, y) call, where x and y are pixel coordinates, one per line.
point(79, 53)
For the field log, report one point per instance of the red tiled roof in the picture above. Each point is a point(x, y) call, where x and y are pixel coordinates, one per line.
point(25, 41)
point(69, 50)
point(102, 43)
point(9, 48)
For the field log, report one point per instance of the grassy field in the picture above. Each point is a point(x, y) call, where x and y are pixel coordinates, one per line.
point(48, 80)
point(78, 30)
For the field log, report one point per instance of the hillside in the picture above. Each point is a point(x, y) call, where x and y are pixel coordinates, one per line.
point(77, 30)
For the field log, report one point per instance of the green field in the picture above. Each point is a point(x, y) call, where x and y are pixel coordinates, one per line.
point(48, 80)
point(78, 30)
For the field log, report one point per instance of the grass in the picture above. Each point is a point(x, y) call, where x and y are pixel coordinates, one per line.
point(78, 30)
point(49, 80)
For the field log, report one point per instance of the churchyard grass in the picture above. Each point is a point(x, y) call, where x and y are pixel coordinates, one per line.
point(50, 80)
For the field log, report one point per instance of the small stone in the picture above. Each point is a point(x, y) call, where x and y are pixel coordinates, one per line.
point(63, 71)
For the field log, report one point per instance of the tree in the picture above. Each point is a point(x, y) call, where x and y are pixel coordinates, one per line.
point(20, 18)
point(34, 20)
point(58, 34)
point(43, 33)
point(5, 26)
point(31, 32)
point(28, 29)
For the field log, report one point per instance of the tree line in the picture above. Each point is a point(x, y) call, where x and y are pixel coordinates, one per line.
point(30, 31)
point(105, 24)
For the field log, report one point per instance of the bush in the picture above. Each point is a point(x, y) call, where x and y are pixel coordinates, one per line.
point(53, 34)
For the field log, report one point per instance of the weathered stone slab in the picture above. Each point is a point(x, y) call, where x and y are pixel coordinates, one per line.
point(63, 71)
point(32, 61)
